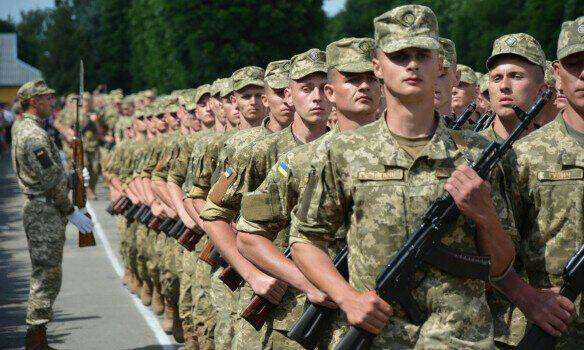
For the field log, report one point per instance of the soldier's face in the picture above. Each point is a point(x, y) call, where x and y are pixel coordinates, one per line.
point(443, 90)
point(513, 81)
point(570, 76)
point(44, 104)
point(140, 124)
point(217, 108)
point(171, 120)
point(308, 97)
point(483, 103)
point(462, 95)
point(249, 102)
point(230, 110)
point(204, 111)
point(408, 74)
point(354, 94)
point(280, 108)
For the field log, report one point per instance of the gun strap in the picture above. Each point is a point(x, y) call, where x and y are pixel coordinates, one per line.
point(457, 263)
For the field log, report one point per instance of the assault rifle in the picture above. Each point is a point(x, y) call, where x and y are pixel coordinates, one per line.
point(482, 122)
point(189, 238)
point(396, 280)
point(465, 116)
point(537, 339)
point(79, 198)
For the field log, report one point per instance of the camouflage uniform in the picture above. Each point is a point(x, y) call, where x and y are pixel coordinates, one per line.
point(41, 177)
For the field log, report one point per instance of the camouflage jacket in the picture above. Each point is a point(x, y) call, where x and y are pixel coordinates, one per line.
point(36, 161)
point(367, 182)
point(179, 166)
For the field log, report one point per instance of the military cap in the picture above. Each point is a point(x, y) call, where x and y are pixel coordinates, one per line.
point(188, 101)
point(202, 90)
point(306, 63)
point(550, 78)
point(350, 55)
point(127, 103)
point(571, 38)
point(216, 88)
point(277, 74)
point(406, 26)
point(250, 75)
point(224, 86)
point(86, 95)
point(484, 83)
point(467, 75)
point(478, 75)
point(71, 97)
point(171, 105)
point(448, 52)
point(32, 89)
point(519, 44)
point(150, 93)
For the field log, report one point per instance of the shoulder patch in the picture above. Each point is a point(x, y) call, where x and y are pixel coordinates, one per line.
point(220, 187)
point(42, 156)
point(283, 168)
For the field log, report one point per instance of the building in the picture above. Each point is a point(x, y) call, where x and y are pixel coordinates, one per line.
point(13, 72)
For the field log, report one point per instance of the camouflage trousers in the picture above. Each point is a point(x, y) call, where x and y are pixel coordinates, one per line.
point(142, 252)
point(122, 227)
point(131, 246)
point(155, 256)
point(92, 164)
point(245, 336)
point(185, 301)
point(225, 304)
point(203, 314)
point(45, 234)
point(169, 275)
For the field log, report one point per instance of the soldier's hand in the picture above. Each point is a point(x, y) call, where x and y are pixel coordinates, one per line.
point(472, 195)
point(551, 311)
point(269, 288)
point(316, 296)
point(367, 311)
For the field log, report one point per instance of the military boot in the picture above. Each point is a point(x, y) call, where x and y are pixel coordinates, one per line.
point(146, 293)
point(127, 277)
point(136, 284)
point(191, 342)
point(157, 303)
point(170, 311)
point(177, 329)
point(36, 338)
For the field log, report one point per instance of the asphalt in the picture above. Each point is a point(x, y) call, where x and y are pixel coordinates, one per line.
point(93, 310)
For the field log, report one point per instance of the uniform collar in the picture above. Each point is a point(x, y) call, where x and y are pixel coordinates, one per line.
point(38, 120)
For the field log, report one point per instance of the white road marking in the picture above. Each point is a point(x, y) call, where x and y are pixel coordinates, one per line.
point(151, 320)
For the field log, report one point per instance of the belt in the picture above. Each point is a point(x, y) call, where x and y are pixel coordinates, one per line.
point(39, 198)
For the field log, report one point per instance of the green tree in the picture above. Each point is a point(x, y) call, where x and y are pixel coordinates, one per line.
point(7, 25)
point(30, 31)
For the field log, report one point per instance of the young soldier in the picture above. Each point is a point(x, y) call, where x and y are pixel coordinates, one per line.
point(42, 179)
point(265, 213)
point(465, 91)
point(550, 110)
point(307, 72)
point(378, 184)
point(550, 188)
point(483, 101)
point(447, 79)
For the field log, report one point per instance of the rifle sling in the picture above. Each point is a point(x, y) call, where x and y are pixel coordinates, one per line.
point(457, 263)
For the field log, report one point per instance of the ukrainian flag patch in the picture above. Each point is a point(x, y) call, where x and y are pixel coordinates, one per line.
point(283, 168)
point(228, 172)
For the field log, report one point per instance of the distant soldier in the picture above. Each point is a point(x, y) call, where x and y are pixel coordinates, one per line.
point(465, 91)
point(446, 81)
point(42, 178)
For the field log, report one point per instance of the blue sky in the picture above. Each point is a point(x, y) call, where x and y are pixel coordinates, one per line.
point(13, 7)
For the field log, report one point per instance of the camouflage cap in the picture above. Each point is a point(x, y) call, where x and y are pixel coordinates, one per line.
point(478, 75)
point(484, 83)
point(519, 44)
point(350, 55)
point(71, 97)
point(150, 93)
point(32, 89)
point(226, 87)
point(187, 100)
point(306, 63)
point(447, 52)
point(171, 105)
point(571, 38)
point(202, 90)
point(467, 75)
point(86, 96)
point(215, 88)
point(250, 75)
point(406, 26)
point(550, 78)
point(278, 74)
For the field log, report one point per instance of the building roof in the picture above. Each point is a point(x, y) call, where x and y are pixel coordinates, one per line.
point(14, 72)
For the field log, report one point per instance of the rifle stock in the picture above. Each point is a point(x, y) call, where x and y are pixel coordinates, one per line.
point(110, 208)
point(231, 278)
point(122, 206)
point(189, 238)
point(207, 255)
point(154, 224)
point(257, 311)
point(79, 199)
point(394, 283)
point(536, 338)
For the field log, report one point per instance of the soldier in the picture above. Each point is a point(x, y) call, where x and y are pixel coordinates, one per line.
point(549, 184)
point(379, 184)
point(265, 213)
point(446, 81)
point(247, 169)
point(42, 178)
point(550, 110)
point(483, 101)
point(465, 91)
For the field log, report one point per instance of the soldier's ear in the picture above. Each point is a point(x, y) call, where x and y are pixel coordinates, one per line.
point(377, 70)
point(329, 92)
point(557, 68)
point(233, 99)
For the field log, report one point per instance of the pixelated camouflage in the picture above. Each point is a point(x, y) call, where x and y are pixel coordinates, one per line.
point(467, 75)
point(550, 78)
point(303, 64)
point(520, 44)
point(484, 83)
point(406, 26)
point(350, 55)
point(277, 74)
point(202, 91)
point(571, 38)
point(447, 52)
point(250, 75)
point(32, 89)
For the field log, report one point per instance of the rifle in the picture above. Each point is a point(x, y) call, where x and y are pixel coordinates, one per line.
point(189, 238)
point(466, 114)
point(122, 206)
point(79, 198)
point(396, 280)
point(154, 223)
point(480, 125)
point(537, 339)
point(110, 208)
point(146, 217)
point(141, 211)
point(210, 254)
point(166, 225)
point(310, 325)
point(176, 229)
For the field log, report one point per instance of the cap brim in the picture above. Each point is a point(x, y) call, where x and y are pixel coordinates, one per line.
point(570, 50)
point(420, 42)
point(492, 58)
point(276, 82)
point(355, 67)
point(256, 82)
point(307, 72)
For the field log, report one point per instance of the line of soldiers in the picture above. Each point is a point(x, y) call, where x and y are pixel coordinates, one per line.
point(247, 188)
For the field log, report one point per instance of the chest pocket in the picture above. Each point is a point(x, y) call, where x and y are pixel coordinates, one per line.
point(560, 199)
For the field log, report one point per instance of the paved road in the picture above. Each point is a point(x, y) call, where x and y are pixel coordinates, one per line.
point(94, 310)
